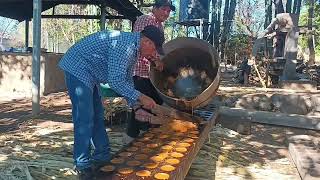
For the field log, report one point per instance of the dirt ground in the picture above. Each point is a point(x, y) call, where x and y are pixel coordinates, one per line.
point(41, 147)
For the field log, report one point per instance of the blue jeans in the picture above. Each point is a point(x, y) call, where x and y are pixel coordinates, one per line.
point(91, 143)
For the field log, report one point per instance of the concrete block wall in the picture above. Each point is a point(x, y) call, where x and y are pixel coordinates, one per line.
point(16, 74)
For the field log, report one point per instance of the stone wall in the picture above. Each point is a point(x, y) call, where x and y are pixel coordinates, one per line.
point(16, 73)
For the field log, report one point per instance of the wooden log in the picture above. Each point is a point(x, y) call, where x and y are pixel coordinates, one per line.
point(280, 119)
point(237, 122)
point(298, 85)
point(181, 169)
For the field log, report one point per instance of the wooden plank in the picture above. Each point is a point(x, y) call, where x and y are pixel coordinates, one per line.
point(299, 85)
point(304, 151)
point(280, 119)
point(181, 169)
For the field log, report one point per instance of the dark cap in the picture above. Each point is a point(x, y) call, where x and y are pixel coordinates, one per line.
point(156, 36)
point(159, 3)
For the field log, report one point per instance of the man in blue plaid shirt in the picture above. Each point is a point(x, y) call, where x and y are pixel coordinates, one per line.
point(103, 57)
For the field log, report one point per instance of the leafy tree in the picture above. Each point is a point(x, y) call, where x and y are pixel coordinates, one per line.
point(8, 27)
point(69, 30)
point(248, 19)
point(316, 23)
point(228, 17)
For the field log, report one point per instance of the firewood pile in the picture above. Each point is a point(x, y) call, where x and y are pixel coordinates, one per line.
point(314, 74)
point(254, 79)
point(114, 107)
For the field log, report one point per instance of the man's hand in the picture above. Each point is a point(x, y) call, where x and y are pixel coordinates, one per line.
point(147, 102)
point(159, 64)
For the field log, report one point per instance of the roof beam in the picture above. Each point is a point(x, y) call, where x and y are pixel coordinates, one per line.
point(81, 16)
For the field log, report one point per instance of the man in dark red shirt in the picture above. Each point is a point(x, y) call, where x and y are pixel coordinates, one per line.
point(160, 13)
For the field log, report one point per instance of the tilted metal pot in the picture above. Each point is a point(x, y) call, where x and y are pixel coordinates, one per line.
point(191, 75)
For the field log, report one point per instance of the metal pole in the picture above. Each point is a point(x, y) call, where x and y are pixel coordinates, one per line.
point(201, 28)
point(103, 17)
point(36, 57)
point(27, 33)
point(187, 30)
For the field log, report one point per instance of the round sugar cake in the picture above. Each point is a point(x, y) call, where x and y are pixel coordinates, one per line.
point(146, 150)
point(125, 154)
point(163, 155)
point(183, 145)
point(141, 157)
point(164, 136)
point(188, 140)
point(138, 144)
point(148, 135)
point(117, 160)
point(172, 143)
point(167, 168)
point(157, 158)
point(132, 149)
point(125, 170)
point(108, 168)
point(166, 148)
point(143, 173)
point(173, 161)
point(150, 165)
point(194, 132)
point(181, 149)
point(133, 163)
point(193, 136)
point(152, 145)
point(176, 155)
point(144, 139)
point(162, 176)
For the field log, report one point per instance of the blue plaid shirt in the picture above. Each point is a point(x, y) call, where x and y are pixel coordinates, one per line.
point(105, 57)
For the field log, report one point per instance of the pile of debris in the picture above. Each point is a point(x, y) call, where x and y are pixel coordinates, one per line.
point(314, 73)
point(116, 109)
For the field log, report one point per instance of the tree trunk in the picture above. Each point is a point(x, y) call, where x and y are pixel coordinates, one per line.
point(217, 26)
point(295, 2)
point(268, 13)
point(228, 16)
point(311, 36)
point(224, 24)
point(279, 7)
point(213, 21)
point(288, 6)
point(296, 6)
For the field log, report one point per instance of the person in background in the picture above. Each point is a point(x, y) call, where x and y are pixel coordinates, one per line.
point(160, 13)
point(103, 57)
point(246, 70)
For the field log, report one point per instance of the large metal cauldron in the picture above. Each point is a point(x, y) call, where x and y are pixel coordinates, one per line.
point(191, 76)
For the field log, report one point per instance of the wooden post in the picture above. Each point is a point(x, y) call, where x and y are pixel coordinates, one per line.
point(103, 17)
point(27, 33)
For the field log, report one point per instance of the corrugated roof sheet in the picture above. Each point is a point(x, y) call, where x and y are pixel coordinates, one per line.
point(22, 9)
